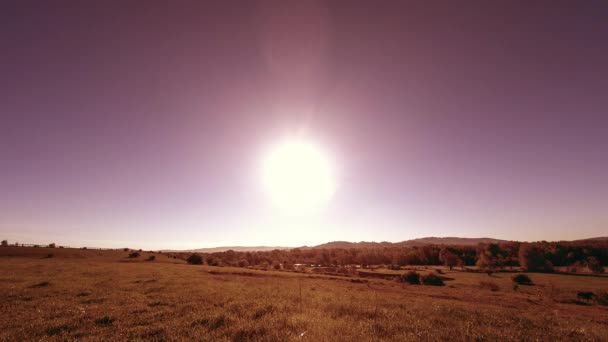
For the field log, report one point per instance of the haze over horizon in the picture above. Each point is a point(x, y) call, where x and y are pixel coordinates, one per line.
point(126, 124)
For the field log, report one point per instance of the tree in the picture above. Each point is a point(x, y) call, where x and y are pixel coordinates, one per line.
point(4, 243)
point(532, 258)
point(487, 257)
point(52, 245)
point(449, 258)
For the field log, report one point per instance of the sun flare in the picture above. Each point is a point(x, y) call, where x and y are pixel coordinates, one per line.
point(298, 176)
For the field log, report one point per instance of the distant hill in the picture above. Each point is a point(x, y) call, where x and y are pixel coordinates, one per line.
point(411, 243)
point(237, 249)
point(600, 238)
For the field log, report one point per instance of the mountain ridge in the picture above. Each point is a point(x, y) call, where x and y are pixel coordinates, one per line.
point(431, 240)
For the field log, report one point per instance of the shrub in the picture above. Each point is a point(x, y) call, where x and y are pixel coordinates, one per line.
point(151, 258)
point(277, 266)
point(50, 255)
point(602, 297)
point(432, 279)
point(104, 321)
point(490, 285)
point(195, 259)
point(134, 255)
point(594, 265)
point(439, 271)
point(522, 279)
point(4, 243)
point(125, 249)
point(411, 277)
point(52, 245)
point(243, 263)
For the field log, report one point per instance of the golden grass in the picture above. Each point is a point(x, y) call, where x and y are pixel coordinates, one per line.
point(93, 295)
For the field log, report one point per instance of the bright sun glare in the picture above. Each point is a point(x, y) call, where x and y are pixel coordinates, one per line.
point(298, 176)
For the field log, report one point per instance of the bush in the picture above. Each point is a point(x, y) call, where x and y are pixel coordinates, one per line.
point(211, 261)
point(432, 279)
point(522, 279)
point(411, 277)
point(277, 266)
point(125, 249)
point(490, 285)
point(151, 258)
point(134, 255)
point(243, 263)
point(50, 255)
point(52, 245)
point(195, 259)
point(4, 243)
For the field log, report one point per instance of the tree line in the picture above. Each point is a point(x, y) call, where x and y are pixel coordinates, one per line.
point(536, 256)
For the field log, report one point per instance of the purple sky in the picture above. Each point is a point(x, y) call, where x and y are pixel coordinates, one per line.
point(141, 124)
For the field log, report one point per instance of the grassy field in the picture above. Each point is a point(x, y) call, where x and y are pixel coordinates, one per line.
point(103, 295)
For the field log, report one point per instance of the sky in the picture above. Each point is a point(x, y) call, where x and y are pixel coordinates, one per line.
point(143, 124)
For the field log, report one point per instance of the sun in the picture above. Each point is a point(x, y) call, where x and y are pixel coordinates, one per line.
point(298, 176)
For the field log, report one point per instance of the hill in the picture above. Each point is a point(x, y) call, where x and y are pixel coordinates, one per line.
point(236, 249)
point(411, 243)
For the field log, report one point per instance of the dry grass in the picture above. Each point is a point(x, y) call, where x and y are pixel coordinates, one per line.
point(95, 295)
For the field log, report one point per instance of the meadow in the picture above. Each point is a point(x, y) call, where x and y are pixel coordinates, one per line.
point(104, 295)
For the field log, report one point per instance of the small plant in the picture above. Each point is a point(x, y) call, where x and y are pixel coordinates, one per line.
point(151, 258)
point(134, 255)
point(411, 277)
point(522, 279)
point(490, 285)
point(432, 279)
point(195, 259)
